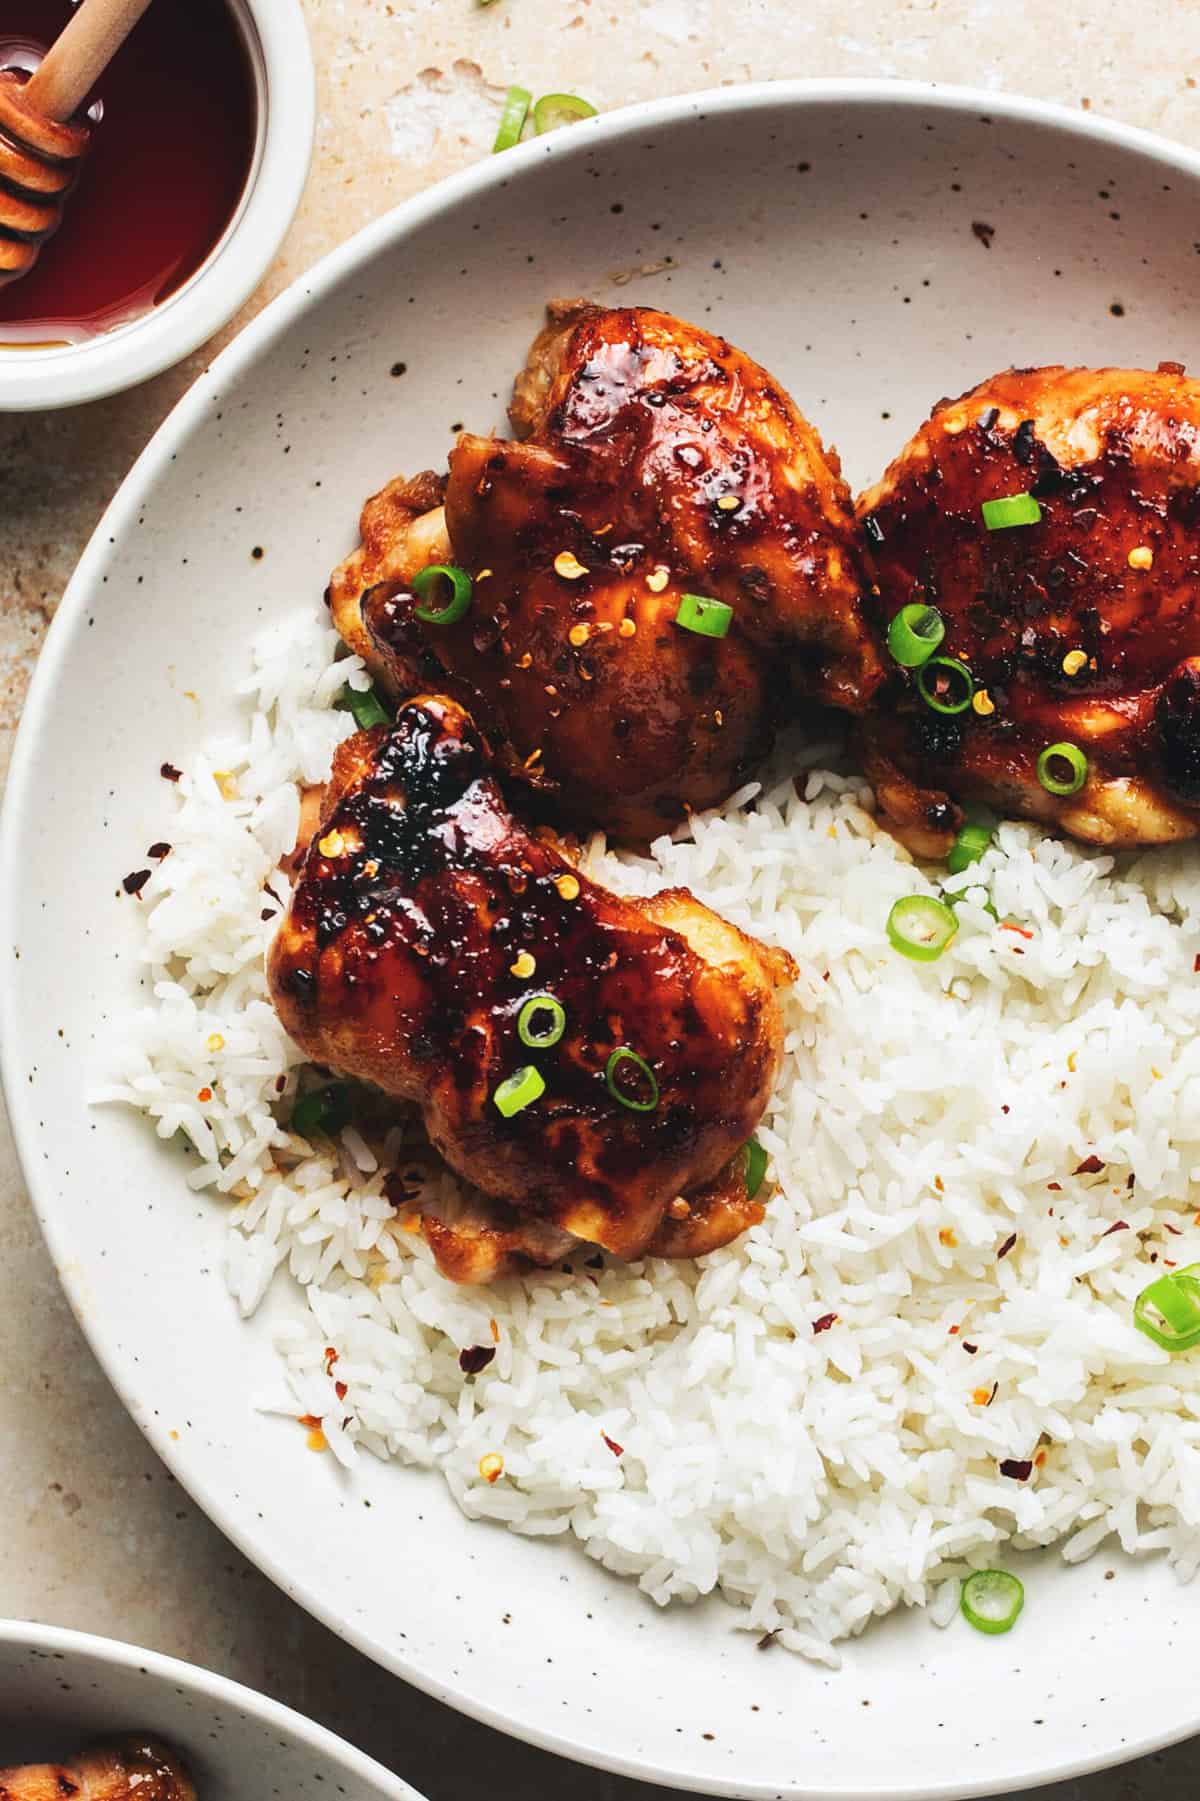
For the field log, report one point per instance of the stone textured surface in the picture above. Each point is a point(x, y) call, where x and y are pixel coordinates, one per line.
point(96, 1533)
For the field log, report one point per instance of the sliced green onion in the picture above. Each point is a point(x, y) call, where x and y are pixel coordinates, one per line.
point(972, 840)
point(1174, 1299)
point(321, 1110)
point(1062, 769)
point(513, 116)
point(914, 635)
point(755, 1165)
point(425, 585)
point(553, 1017)
point(698, 613)
point(992, 1600)
point(365, 705)
point(1011, 509)
point(945, 684)
point(518, 1090)
point(553, 110)
point(622, 1055)
point(921, 927)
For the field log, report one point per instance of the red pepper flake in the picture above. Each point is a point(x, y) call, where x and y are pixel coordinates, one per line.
point(169, 773)
point(1119, 1225)
point(970, 1349)
point(983, 231)
point(1170, 1263)
point(1040, 1459)
point(331, 1358)
point(159, 850)
point(1004, 1108)
point(954, 1331)
point(476, 1357)
point(823, 1324)
point(1017, 1469)
point(994, 1393)
point(767, 1640)
point(1196, 965)
point(1130, 1180)
point(339, 1389)
point(1007, 1246)
point(135, 881)
point(267, 913)
point(1091, 1166)
point(1054, 1187)
point(310, 1420)
point(204, 1094)
point(495, 1331)
point(1174, 1230)
point(1008, 925)
point(616, 1449)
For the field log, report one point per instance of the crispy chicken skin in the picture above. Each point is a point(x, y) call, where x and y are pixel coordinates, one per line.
point(129, 1769)
point(1112, 569)
point(419, 901)
point(653, 460)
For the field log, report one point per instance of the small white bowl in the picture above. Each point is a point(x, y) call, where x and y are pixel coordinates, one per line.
point(60, 1691)
point(285, 105)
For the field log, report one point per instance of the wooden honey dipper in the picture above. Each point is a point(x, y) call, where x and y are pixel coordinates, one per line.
point(42, 138)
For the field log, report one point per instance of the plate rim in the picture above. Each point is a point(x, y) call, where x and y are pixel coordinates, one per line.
point(254, 341)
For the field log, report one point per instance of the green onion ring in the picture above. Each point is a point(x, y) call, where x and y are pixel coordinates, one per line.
point(949, 671)
point(1175, 1298)
point(921, 927)
point(915, 634)
point(424, 584)
point(513, 116)
point(625, 1054)
point(519, 1090)
point(1010, 509)
point(541, 1003)
point(973, 838)
point(755, 1165)
point(992, 1600)
point(553, 110)
point(321, 1110)
point(365, 705)
point(1076, 762)
point(700, 614)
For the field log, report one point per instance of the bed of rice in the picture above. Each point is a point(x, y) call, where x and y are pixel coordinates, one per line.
point(814, 1420)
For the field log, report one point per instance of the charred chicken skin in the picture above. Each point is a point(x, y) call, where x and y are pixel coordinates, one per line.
point(131, 1769)
point(425, 920)
point(1081, 628)
point(654, 461)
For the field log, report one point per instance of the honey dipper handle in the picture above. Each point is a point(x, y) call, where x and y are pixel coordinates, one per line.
point(78, 57)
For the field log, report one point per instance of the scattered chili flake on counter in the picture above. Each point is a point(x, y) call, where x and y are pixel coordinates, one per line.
point(823, 1324)
point(1017, 1469)
point(475, 1357)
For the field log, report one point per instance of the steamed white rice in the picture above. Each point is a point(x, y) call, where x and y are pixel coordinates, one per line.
point(688, 1423)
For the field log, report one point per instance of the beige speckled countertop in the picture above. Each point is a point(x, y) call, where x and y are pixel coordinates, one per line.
point(95, 1532)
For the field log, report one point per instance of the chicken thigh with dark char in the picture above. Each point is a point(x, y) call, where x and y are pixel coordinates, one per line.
point(1079, 629)
point(431, 942)
point(655, 461)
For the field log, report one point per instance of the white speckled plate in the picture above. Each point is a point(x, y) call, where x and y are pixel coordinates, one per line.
point(835, 231)
point(61, 1691)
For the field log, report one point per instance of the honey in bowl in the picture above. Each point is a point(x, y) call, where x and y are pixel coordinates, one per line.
point(170, 152)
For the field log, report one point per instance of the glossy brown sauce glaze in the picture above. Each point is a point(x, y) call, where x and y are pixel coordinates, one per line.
point(425, 918)
point(654, 460)
point(1083, 627)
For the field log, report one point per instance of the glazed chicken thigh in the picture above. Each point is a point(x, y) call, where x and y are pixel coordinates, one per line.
point(1080, 629)
point(433, 947)
point(654, 462)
